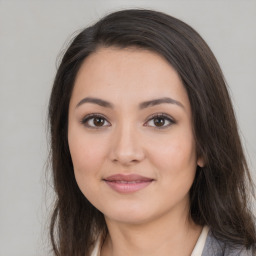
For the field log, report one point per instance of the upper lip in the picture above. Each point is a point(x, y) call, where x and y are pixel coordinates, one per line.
point(127, 177)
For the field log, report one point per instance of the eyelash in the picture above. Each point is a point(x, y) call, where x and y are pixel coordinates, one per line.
point(89, 117)
point(164, 116)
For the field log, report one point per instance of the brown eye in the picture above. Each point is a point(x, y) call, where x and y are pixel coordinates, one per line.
point(95, 121)
point(98, 121)
point(159, 121)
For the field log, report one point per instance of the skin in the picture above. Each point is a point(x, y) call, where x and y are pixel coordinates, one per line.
point(129, 141)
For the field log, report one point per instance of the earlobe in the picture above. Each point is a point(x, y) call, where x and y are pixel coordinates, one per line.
point(200, 162)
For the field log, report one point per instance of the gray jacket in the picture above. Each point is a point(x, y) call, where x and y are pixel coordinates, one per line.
point(214, 247)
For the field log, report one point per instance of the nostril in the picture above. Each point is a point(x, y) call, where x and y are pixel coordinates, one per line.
point(127, 159)
point(126, 147)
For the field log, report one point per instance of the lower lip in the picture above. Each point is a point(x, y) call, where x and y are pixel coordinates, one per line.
point(128, 187)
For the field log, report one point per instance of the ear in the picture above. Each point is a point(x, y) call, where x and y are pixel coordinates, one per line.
point(200, 162)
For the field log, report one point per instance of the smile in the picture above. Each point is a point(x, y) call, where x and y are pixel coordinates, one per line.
point(127, 183)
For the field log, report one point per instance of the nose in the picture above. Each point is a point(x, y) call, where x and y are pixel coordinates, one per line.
point(127, 146)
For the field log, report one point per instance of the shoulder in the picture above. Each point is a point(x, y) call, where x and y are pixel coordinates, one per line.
point(215, 247)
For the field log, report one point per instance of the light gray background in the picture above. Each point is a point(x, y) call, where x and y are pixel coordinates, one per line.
point(32, 33)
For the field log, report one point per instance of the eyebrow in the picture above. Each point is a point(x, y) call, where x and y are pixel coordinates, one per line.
point(142, 105)
point(97, 101)
point(154, 102)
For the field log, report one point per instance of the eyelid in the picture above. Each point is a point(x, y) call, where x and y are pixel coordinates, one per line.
point(86, 118)
point(165, 116)
point(160, 115)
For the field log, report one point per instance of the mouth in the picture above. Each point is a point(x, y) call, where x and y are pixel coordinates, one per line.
point(127, 183)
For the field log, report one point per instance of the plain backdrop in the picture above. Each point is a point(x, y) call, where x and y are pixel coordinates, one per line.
point(32, 34)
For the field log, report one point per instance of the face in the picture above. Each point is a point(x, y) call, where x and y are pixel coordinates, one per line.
point(130, 135)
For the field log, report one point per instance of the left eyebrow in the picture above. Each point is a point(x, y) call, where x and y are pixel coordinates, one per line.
point(154, 102)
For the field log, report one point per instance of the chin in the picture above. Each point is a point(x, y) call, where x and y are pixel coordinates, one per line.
point(132, 215)
point(128, 220)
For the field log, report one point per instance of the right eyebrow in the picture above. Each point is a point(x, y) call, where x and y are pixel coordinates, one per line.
point(97, 101)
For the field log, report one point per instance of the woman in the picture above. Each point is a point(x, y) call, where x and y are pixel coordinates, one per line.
point(146, 155)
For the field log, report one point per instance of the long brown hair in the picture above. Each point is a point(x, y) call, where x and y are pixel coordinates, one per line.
point(220, 195)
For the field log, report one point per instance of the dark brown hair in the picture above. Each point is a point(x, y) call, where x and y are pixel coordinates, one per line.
point(220, 195)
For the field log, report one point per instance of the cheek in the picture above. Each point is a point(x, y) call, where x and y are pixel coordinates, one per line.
point(177, 165)
point(175, 160)
point(88, 154)
point(175, 152)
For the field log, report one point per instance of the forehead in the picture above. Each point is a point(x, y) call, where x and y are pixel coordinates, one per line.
point(116, 74)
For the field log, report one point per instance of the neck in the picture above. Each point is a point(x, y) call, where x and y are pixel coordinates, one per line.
point(171, 236)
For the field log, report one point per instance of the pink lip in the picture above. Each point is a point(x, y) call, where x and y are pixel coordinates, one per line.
point(127, 183)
